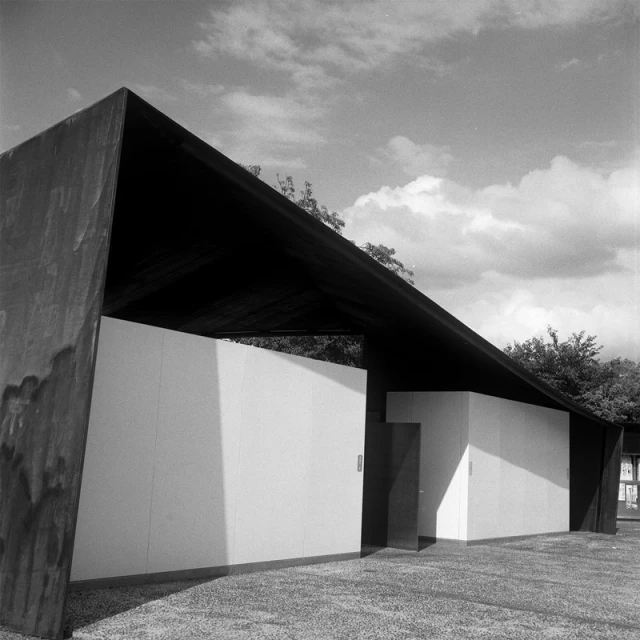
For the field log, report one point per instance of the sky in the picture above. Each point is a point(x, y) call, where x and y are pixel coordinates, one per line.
point(495, 144)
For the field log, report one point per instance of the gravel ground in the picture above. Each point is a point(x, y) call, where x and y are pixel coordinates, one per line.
point(578, 585)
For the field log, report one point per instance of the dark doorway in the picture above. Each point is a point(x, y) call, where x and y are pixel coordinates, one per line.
point(391, 485)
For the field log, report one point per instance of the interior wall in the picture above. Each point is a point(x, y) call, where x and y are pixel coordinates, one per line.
point(519, 482)
point(205, 453)
point(443, 458)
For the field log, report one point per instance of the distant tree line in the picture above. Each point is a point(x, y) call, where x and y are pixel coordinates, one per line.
point(610, 389)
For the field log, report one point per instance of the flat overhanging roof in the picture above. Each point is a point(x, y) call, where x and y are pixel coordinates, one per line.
point(200, 245)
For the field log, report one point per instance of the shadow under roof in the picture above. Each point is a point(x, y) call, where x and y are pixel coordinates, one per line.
point(200, 245)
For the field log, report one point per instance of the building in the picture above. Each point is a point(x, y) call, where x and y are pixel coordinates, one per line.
point(128, 247)
point(629, 473)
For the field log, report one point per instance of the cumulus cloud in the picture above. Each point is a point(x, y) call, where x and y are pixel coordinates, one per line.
point(74, 95)
point(416, 159)
point(269, 128)
point(504, 309)
point(153, 93)
point(313, 40)
point(598, 145)
point(203, 90)
point(563, 66)
point(562, 221)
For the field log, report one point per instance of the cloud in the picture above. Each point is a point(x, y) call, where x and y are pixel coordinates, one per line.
point(74, 95)
point(508, 311)
point(201, 89)
point(560, 247)
point(565, 221)
point(268, 129)
point(416, 159)
point(153, 93)
point(563, 66)
point(212, 139)
point(598, 145)
point(314, 41)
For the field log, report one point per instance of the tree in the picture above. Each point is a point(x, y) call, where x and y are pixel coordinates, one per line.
point(610, 389)
point(384, 255)
point(307, 202)
point(340, 349)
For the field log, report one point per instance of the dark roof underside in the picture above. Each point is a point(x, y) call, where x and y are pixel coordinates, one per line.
point(199, 245)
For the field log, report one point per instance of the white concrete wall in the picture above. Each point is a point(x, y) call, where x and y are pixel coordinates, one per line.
point(204, 453)
point(520, 456)
point(517, 483)
point(443, 458)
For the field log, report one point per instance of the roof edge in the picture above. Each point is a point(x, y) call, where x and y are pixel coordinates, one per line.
point(235, 173)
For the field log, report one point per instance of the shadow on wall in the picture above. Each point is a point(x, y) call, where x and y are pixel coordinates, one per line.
point(521, 455)
point(150, 498)
point(442, 508)
point(490, 467)
point(400, 370)
point(205, 454)
point(595, 461)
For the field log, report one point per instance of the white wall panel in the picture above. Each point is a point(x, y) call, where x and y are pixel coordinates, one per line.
point(115, 500)
point(485, 479)
point(558, 471)
point(188, 512)
point(274, 459)
point(536, 464)
point(512, 474)
point(443, 458)
point(207, 453)
point(231, 360)
point(520, 454)
point(333, 522)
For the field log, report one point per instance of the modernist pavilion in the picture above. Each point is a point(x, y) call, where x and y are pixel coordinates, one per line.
point(136, 443)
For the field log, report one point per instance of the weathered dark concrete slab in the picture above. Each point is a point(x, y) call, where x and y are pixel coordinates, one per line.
point(58, 193)
point(578, 585)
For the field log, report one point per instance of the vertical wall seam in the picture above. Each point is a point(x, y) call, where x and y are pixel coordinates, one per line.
point(568, 466)
point(467, 447)
point(421, 434)
point(232, 548)
point(155, 449)
point(308, 472)
point(460, 456)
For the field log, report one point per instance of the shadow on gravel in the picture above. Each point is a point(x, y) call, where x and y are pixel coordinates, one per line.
point(86, 607)
point(369, 549)
point(424, 543)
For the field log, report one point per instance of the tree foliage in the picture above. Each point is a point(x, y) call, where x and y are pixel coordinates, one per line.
point(340, 349)
point(308, 203)
point(610, 389)
point(384, 255)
